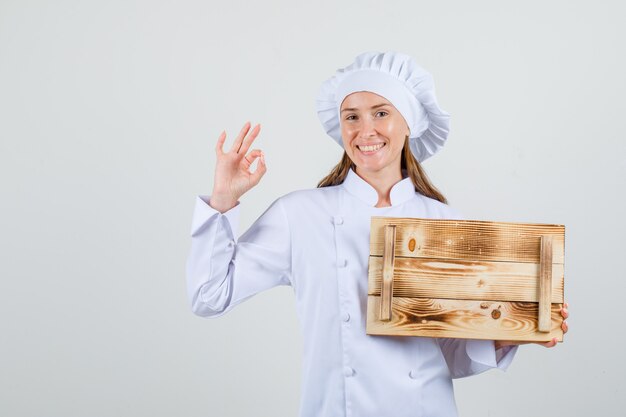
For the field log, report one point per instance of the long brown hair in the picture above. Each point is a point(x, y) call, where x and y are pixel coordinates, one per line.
point(408, 163)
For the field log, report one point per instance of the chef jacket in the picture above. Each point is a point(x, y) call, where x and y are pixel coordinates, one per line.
point(317, 241)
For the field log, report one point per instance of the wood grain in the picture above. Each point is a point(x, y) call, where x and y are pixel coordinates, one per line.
point(386, 289)
point(468, 280)
point(489, 320)
point(468, 239)
point(545, 283)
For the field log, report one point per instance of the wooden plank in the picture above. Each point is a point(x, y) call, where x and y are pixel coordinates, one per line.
point(462, 319)
point(467, 239)
point(484, 280)
point(545, 283)
point(386, 289)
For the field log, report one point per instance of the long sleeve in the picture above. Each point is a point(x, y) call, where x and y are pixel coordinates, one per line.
point(467, 357)
point(222, 271)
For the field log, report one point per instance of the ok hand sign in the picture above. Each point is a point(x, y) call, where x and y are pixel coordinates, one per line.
point(232, 170)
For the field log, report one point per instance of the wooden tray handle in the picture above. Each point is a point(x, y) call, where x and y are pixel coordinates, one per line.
point(545, 285)
point(386, 291)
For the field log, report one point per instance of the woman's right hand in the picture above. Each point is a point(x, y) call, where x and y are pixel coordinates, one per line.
point(232, 169)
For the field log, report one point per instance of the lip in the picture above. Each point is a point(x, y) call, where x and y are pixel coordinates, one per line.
point(358, 146)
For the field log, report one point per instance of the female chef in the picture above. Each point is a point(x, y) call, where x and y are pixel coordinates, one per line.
point(382, 110)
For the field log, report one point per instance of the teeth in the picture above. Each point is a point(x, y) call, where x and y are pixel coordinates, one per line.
point(371, 147)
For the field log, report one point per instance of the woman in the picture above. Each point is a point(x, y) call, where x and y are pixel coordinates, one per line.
point(383, 111)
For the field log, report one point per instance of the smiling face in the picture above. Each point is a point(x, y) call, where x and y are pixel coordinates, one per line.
point(373, 133)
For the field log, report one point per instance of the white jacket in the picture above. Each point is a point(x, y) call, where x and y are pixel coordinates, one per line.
point(317, 241)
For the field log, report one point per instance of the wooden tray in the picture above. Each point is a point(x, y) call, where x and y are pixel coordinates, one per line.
point(465, 279)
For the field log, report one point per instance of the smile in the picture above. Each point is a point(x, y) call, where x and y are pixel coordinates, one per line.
point(370, 148)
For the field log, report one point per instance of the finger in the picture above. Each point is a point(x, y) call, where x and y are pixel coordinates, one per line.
point(564, 313)
point(245, 145)
point(219, 146)
point(261, 169)
point(251, 157)
point(242, 133)
point(550, 344)
point(565, 327)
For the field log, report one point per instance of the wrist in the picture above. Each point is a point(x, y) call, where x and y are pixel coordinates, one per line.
point(499, 344)
point(222, 203)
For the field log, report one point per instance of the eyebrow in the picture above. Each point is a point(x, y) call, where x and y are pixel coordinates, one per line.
point(372, 108)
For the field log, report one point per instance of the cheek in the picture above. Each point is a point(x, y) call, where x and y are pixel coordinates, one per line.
point(397, 129)
point(347, 133)
point(345, 138)
point(346, 144)
point(390, 129)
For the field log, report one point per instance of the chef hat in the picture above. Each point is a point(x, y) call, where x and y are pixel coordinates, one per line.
point(397, 78)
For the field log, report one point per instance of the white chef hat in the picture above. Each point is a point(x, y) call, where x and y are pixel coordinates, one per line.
point(399, 79)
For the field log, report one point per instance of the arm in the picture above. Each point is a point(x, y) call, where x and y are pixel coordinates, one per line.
point(222, 273)
point(467, 357)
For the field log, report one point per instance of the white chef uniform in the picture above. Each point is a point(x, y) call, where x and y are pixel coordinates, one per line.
point(317, 241)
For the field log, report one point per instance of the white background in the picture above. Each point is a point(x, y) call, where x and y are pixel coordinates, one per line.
point(108, 115)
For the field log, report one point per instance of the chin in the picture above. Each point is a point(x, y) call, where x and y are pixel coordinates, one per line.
point(370, 167)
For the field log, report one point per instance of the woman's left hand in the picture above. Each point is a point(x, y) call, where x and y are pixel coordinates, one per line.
point(552, 343)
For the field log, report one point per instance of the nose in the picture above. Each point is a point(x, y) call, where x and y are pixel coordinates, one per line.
point(367, 128)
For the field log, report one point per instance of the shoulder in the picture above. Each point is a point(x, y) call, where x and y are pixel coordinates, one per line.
point(438, 210)
point(309, 195)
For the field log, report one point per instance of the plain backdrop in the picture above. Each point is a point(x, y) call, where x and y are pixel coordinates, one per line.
point(109, 111)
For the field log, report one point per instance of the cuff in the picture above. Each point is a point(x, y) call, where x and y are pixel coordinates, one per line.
point(203, 212)
point(483, 352)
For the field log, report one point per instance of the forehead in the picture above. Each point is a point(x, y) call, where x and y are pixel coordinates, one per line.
point(363, 99)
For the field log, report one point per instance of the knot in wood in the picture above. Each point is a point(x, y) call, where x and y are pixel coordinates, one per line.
point(412, 245)
point(495, 314)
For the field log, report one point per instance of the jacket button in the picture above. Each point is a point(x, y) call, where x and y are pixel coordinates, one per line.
point(413, 374)
point(345, 317)
point(338, 220)
point(347, 371)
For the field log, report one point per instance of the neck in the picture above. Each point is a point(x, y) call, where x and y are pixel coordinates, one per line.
point(382, 182)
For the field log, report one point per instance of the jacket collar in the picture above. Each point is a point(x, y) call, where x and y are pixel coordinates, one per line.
point(401, 192)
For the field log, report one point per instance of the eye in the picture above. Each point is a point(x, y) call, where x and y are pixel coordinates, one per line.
point(381, 113)
point(351, 117)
